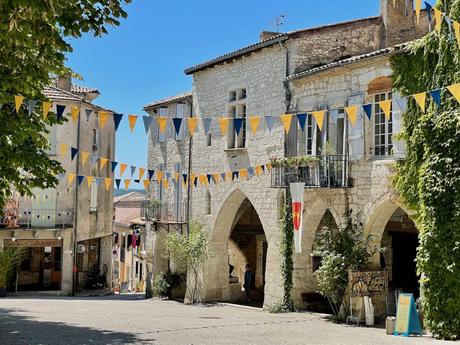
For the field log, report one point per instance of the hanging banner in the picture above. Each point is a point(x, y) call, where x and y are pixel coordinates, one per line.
point(386, 108)
point(223, 123)
point(254, 124)
point(297, 190)
point(286, 121)
point(420, 98)
point(192, 123)
point(319, 117)
point(352, 112)
point(132, 122)
point(18, 102)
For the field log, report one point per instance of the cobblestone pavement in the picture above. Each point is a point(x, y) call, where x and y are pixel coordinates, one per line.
point(133, 320)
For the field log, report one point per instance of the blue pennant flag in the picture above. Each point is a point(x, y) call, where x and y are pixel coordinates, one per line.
point(238, 123)
point(223, 176)
point(400, 103)
point(80, 179)
point(263, 167)
point(209, 176)
point(428, 8)
point(117, 119)
point(60, 110)
point(117, 182)
point(73, 152)
point(168, 175)
point(269, 120)
point(99, 180)
point(133, 170)
point(334, 115)
point(88, 114)
point(150, 172)
point(31, 103)
point(368, 110)
point(177, 122)
point(195, 181)
point(147, 123)
point(113, 165)
point(436, 95)
point(251, 171)
point(207, 124)
point(302, 118)
point(215, 179)
point(184, 176)
point(94, 159)
point(235, 174)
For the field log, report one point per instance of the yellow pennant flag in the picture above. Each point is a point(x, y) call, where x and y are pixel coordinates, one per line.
point(254, 122)
point(146, 184)
point(64, 149)
point(103, 162)
point(386, 107)
point(352, 112)
point(70, 178)
point(457, 31)
point(103, 115)
point(203, 180)
point(223, 123)
point(418, 7)
point(162, 122)
point(258, 170)
point(107, 182)
point(84, 156)
point(216, 177)
point(127, 182)
point(18, 102)
point(89, 180)
point(269, 166)
point(160, 175)
point(122, 168)
point(286, 121)
point(165, 183)
point(420, 98)
point(438, 16)
point(132, 122)
point(192, 122)
point(228, 176)
point(141, 173)
point(244, 173)
point(319, 117)
point(455, 91)
point(74, 112)
point(46, 109)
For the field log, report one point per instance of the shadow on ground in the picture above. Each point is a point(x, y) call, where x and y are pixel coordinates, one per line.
point(19, 329)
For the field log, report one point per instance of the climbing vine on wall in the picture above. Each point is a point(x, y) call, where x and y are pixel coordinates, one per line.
point(428, 180)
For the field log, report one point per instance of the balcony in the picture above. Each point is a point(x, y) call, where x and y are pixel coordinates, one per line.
point(163, 212)
point(329, 171)
point(14, 218)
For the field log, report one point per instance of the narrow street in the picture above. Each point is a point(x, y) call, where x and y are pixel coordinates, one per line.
point(133, 320)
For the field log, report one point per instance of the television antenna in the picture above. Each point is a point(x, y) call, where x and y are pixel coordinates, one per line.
point(279, 21)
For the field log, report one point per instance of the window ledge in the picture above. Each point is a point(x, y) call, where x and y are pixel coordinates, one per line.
point(236, 150)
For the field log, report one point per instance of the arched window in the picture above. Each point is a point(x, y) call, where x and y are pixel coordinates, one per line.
point(208, 202)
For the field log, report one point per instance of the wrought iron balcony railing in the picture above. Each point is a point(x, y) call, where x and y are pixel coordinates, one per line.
point(36, 218)
point(163, 212)
point(329, 171)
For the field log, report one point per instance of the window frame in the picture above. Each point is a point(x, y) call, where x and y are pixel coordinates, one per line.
point(385, 149)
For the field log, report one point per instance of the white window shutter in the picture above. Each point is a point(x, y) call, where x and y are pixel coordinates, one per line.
point(93, 202)
point(162, 136)
point(51, 136)
point(43, 211)
point(399, 145)
point(356, 133)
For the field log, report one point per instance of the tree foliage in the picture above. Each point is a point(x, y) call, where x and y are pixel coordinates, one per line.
point(428, 180)
point(33, 49)
point(9, 259)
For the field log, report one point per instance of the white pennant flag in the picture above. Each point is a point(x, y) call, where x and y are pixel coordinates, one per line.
point(297, 190)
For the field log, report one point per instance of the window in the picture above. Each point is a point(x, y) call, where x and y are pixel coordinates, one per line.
point(95, 141)
point(383, 127)
point(180, 111)
point(160, 194)
point(177, 192)
point(241, 94)
point(93, 201)
point(231, 129)
point(241, 138)
point(208, 203)
point(208, 140)
point(236, 110)
point(232, 96)
point(305, 136)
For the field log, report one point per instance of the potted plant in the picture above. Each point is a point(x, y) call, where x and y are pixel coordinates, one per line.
point(9, 259)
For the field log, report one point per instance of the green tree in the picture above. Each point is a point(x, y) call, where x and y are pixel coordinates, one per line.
point(429, 178)
point(287, 263)
point(33, 47)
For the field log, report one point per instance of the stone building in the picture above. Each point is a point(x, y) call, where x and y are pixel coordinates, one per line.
point(327, 67)
point(70, 225)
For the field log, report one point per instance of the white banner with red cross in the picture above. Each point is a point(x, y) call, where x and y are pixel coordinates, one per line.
point(297, 190)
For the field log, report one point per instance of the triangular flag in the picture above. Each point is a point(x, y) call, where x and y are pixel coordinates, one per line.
point(113, 165)
point(168, 175)
point(209, 176)
point(70, 178)
point(103, 118)
point(334, 113)
point(386, 107)
point(192, 122)
point(235, 175)
point(400, 104)
point(103, 162)
point(80, 179)
point(438, 17)
point(99, 180)
point(177, 122)
point(428, 9)
point(18, 102)
point(160, 175)
point(237, 124)
point(146, 184)
point(165, 184)
point(259, 170)
point(224, 176)
point(420, 98)
point(117, 182)
point(94, 159)
point(150, 173)
point(117, 119)
point(286, 121)
point(46, 109)
point(254, 122)
point(122, 168)
point(88, 114)
point(207, 124)
point(319, 117)
point(184, 177)
point(368, 110)
point(84, 156)
point(64, 149)
point(352, 112)
point(107, 183)
point(141, 173)
point(269, 120)
point(132, 122)
point(457, 31)
point(436, 95)
point(147, 123)
point(216, 177)
point(162, 122)
point(31, 103)
point(418, 7)
point(127, 182)
point(73, 152)
point(60, 111)
point(223, 123)
point(243, 173)
point(133, 170)
point(455, 91)
point(89, 180)
point(74, 112)
point(203, 180)
point(176, 176)
point(302, 119)
point(251, 171)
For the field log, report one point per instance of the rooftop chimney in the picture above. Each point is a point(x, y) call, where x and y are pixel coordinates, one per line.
point(65, 83)
point(265, 35)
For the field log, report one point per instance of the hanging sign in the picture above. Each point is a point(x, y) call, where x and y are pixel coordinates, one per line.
point(407, 318)
point(297, 190)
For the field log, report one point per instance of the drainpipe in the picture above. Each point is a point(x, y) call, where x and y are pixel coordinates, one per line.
point(75, 215)
point(189, 170)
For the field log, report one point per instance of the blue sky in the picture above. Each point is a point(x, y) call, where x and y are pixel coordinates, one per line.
point(143, 59)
